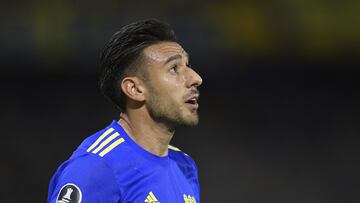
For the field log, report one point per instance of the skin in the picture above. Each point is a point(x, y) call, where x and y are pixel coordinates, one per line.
point(156, 105)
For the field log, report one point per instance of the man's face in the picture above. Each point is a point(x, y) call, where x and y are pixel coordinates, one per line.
point(172, 93)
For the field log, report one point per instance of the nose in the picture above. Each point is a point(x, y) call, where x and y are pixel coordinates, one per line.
point(193, 78)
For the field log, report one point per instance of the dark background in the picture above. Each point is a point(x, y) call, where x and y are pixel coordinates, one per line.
point(279, 114)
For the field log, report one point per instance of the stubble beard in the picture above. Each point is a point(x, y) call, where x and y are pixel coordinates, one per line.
point(164, 109)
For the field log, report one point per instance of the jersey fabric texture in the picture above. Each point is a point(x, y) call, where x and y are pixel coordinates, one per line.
point(110, 167)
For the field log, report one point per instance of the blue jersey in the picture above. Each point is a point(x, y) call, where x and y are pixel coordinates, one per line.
point(110, 167)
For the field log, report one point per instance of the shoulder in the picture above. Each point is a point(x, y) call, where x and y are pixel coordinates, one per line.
point(85, 177)
point(102, 142)
point(183, 160)
point(92, 168)
point(102, 151)
point(178, 155)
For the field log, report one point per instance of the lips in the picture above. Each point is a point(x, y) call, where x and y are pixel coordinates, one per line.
point(193, 102)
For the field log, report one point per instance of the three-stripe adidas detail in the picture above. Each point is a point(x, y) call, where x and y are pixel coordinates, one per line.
point(101, 142)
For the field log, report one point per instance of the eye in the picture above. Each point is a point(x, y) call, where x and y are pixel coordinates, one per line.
point(174, 68)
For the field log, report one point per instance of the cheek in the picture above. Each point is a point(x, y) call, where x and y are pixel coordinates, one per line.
point(166, 86)
point(172, 95)
point(174, 82)
point(169, 87)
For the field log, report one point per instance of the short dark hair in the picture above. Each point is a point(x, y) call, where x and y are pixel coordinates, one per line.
point(123, 50)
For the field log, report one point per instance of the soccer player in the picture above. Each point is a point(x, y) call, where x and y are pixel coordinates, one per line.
point(147, 75)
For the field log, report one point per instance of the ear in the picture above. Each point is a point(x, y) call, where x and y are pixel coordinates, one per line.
point(133, 88)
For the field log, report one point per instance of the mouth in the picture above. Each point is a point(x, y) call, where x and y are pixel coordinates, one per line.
point(192, 102)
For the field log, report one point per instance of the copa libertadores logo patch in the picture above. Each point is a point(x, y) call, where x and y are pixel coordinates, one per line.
point(69, 193)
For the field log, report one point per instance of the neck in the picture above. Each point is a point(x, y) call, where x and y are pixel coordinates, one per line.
point(152, 136)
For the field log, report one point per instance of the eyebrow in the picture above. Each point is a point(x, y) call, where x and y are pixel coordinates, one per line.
point(175, 57)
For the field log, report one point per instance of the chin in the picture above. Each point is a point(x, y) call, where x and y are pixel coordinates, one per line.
point(190, 122)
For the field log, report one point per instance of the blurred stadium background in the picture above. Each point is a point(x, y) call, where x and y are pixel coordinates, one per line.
point(279, 107)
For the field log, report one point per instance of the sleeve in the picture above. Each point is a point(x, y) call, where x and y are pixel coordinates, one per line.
point(84, 179)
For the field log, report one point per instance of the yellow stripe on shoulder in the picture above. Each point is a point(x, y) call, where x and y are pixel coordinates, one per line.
point(111, 147)
point(108, 131)
point(174, 148)
point(101, 145)
point(105, 142)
